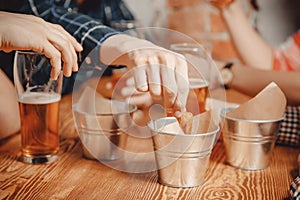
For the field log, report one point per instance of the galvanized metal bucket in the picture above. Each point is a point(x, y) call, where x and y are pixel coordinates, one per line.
point(249, 144)
point(182, 159)
point(103, 135)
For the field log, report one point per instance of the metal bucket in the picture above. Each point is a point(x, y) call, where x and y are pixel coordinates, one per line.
point(103, 135)
point(249, 144)
point(182, 159)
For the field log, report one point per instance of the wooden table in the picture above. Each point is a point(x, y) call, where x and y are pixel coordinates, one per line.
point(74, 177)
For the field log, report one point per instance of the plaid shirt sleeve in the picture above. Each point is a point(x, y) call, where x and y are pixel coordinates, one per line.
point(88, 31)
point(289, 133)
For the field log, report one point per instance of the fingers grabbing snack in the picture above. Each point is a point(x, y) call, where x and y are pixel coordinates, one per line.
point(186, 122)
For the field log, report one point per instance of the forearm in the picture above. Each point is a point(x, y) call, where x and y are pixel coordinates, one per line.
point(250, 81)
point(252, 48)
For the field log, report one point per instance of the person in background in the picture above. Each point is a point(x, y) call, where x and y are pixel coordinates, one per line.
point(252, 48)
point(27, 32)
point(88, 21)
point(264, 63)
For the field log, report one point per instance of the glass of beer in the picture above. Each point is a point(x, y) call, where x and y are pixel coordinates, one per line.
point(39, 98)
point(201, 73)
point(197, 96)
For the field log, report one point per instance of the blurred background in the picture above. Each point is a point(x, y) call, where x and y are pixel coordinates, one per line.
point(275, 20)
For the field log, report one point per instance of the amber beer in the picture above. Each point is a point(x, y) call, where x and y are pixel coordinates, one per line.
point(221, 3)
point(40, 125)
point(197, 95)
point(225, 1)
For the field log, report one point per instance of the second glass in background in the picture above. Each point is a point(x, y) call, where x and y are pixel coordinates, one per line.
point(200, 74)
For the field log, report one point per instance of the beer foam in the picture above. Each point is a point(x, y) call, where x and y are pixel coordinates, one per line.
point(39, 98)
point(197, 83)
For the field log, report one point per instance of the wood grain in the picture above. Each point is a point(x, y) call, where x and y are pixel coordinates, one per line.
point(74, 177)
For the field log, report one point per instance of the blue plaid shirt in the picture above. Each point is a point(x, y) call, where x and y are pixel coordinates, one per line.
point(88, 22)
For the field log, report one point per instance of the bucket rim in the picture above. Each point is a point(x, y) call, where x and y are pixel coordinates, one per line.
point(215, 131)
point(225, 110)
point(131, 109)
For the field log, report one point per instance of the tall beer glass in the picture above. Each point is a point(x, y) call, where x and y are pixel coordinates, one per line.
point(199, 73)
point(39, 98)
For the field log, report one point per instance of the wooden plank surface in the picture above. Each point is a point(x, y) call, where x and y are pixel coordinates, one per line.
point(74, 177)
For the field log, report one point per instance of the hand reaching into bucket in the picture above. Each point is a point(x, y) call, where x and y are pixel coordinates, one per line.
point(156, 70)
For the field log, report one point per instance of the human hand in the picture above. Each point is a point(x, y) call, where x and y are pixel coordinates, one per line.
point(131, 95)
point(161, 73)
point(156, 70)
point(27, 32)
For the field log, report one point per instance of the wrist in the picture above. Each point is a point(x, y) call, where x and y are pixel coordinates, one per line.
point(227, 75)
point(234, 8)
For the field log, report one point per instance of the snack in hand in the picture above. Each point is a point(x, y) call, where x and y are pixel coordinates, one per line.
point(186, 122)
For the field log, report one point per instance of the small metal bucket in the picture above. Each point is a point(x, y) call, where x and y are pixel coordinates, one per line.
point(182, 159)
point(249, 144)
point(103, 135)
